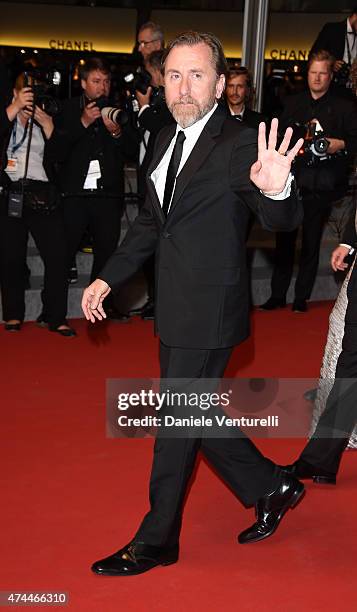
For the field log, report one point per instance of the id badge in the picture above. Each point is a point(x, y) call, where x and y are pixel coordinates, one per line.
point(93, 175)
point(12, 165)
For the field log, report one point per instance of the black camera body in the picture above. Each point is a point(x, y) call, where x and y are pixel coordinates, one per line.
point(138, 81)
point(315, 150)
point(315, 145)
point(41, 85)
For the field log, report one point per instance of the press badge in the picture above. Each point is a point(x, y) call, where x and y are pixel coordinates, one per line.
point(93, 175)
point(12, 165)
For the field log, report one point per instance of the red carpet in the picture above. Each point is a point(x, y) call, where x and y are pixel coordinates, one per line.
point(70, 496)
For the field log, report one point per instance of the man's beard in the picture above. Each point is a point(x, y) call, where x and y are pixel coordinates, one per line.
point(186, 111)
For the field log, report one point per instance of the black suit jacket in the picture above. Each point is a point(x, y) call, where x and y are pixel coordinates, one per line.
point(252, 118)
point(331, 38)
point(202, 285)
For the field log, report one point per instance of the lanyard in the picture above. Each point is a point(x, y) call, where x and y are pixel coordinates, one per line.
point(17, 145)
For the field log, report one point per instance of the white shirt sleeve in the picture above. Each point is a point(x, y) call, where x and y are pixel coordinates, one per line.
point(348, 246)
point(285, 193)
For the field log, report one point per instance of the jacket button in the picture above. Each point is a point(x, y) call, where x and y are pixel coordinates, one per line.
point(166, 235)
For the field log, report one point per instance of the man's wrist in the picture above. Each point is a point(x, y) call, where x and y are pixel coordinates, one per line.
point(284, 193)
point(347, 246)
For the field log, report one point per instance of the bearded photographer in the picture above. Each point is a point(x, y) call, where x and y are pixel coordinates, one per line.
point(29, 203)
point(321, 173)
point(152, 117)
point(92, 155)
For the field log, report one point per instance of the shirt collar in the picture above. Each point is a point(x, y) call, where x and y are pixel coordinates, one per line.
point(237, 114)
point(350, 30)
point(198, 126)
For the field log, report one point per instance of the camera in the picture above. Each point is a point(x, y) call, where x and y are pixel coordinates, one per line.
point(315, 146)
point(115, 114)
point(41, 85)
point(138, 81)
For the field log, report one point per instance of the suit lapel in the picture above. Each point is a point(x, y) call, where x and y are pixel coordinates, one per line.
point(199, 154)
point(158, 155)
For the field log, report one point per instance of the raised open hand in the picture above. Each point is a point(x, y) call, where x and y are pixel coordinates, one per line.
point(271, 170)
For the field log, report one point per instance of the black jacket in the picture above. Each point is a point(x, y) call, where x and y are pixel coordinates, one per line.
point(79, 145)
point(331, 38)
point(338, 118)
point(202, 298)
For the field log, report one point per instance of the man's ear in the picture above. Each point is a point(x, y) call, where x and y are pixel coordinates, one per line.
point(220, 85)
point(84, 84)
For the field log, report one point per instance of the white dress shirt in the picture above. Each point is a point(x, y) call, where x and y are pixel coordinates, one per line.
point(35, 169)
point(192, 134)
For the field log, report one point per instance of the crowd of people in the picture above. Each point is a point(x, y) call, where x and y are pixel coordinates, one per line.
point(77, 160)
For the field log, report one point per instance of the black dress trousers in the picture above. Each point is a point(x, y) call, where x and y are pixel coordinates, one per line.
point(249, 474)
point(49, 236)
point(102, 215)
point(316, 211)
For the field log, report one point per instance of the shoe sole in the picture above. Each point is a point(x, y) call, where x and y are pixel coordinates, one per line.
point(295, 499)
point(324, 480)
point(134, 573)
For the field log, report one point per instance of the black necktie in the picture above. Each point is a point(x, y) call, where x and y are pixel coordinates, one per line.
point(172, 171)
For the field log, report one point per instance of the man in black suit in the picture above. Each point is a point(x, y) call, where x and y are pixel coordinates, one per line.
point(239, 91)
point(340, 39)
point(91, 174)
point(322, 177)
point(195, 217)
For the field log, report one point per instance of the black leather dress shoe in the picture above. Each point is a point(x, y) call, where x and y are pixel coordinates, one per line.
point(271, 508)
point(299, 306)
point(149, 305)
point(273, 303)
point(117, 317)
point(12, 327)
point(135, 558)
point(148, 314)
point(302, 469)
point(66, 332)
point(41, 321)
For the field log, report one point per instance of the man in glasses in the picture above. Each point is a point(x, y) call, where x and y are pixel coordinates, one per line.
point(150, 38)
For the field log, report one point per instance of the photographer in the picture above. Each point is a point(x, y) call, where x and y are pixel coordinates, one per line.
point(29, 203)
point(152, 117)
point(94, 149)
point(340, 39)
point(321, 172)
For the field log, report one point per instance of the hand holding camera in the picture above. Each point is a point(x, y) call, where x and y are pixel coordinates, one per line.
point(44, 120)
point(335, 145)
point(143, 98)
point(90, 114)
point(22, 99)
